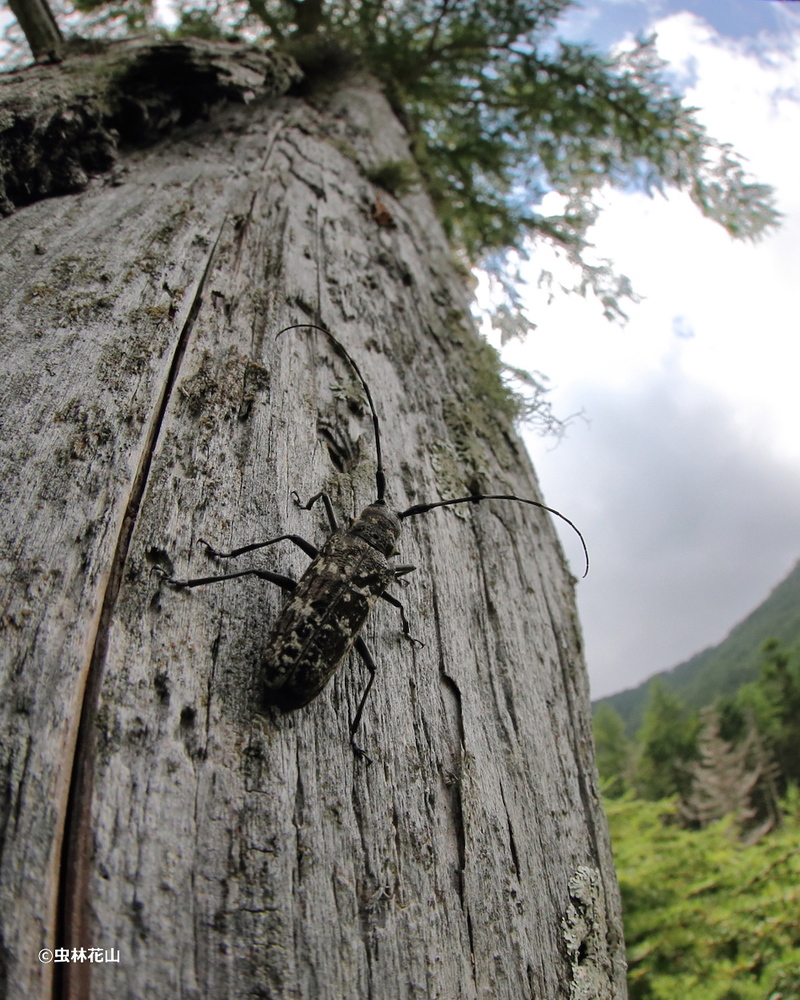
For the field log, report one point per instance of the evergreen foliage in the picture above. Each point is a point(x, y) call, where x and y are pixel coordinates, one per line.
point(773, 701)
point(736, 779)
point(710, 877)
point(613, 751)
point(706, 918)
point(500, 113)
point(736, 759)
point(667, 745)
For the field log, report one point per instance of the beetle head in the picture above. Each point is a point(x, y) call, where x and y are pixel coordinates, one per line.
point(379, 526)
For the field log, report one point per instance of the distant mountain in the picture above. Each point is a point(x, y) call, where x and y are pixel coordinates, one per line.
point(724, 668)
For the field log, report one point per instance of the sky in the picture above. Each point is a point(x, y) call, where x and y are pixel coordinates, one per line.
point(683, 471)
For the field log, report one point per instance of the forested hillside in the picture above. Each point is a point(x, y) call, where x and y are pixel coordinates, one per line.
point(721, 670)
point(704, 811)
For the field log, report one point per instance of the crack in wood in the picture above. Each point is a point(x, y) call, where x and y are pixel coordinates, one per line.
point(72, 920)
point(512, 844)
point(500, 674)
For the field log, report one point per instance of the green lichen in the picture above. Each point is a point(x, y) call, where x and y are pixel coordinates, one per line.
point(323, 59)
point(449, 471)
point(398, 177)
point(86, 305)
point(352, 393)
point(347, 149)
point(353, 487)
point(177, 218)
point(480, 415)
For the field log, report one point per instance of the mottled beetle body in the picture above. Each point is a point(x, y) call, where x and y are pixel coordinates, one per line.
point(322, 619)
point(325, 614)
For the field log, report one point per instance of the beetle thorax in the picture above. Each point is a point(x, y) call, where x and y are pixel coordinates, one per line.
point(378, 526)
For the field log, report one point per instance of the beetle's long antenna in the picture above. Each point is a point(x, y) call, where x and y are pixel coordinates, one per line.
point(423, 508)
point(380, 478)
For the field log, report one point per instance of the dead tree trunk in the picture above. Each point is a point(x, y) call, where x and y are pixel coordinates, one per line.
point(146, 404)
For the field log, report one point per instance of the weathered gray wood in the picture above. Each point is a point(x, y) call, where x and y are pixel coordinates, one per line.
point(147, 404)
point(40, 27)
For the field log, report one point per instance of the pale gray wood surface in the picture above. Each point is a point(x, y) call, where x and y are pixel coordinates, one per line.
point(147, 404)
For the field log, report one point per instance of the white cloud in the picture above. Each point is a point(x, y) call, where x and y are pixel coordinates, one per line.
point(689, 522)
point(686, 479)
point(166, 13)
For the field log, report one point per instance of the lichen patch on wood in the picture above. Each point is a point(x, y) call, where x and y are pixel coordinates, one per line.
point(591, 954)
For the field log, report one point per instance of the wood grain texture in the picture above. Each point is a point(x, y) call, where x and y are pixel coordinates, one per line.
point(146, 404)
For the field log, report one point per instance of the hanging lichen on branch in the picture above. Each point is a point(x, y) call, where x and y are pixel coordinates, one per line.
point(501, 113)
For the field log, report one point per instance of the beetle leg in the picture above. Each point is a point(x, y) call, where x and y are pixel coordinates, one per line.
point(323, 496)
point(284, 582)
point(402, 570)
point(361, 648)
point(406, 627)
point(301, 543)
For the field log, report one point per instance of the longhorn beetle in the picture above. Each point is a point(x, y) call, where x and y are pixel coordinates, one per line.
point(328, 606)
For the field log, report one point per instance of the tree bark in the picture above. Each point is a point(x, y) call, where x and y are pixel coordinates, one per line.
point(40, 28)
point(147, 806)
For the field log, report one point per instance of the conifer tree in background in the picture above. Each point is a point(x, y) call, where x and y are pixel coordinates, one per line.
point(730, 779)
point(667, 744)
point(613, 751)
point(776, 704)
point(707, 916)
